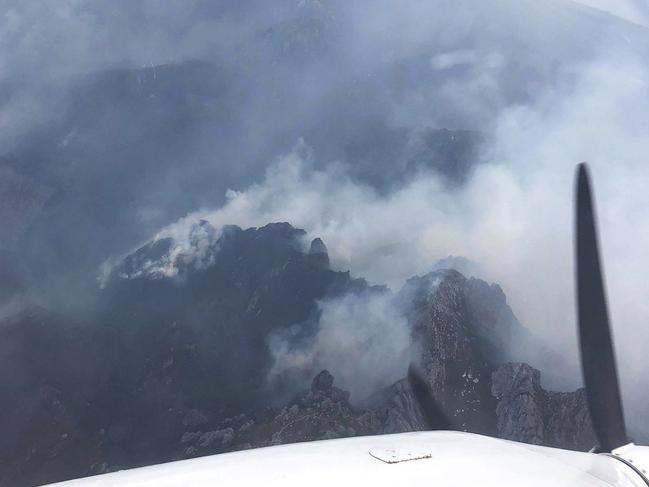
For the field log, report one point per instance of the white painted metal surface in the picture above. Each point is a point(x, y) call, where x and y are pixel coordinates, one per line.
point(444, 458)
point(636, 456)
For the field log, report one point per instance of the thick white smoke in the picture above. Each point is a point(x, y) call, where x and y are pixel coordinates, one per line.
point(513, 217)
point(633, 10)
point(362, 340)
point(555, 82)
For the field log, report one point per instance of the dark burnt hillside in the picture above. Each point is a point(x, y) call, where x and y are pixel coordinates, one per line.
point(130, 378)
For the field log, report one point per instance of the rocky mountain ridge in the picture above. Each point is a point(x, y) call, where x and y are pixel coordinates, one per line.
point(174, 362)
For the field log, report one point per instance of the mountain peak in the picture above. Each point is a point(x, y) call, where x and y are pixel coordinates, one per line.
point(318, 253)
point(317, 247)
point(323, 382)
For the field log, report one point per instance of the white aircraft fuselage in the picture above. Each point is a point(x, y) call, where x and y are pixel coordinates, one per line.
point(437, 458)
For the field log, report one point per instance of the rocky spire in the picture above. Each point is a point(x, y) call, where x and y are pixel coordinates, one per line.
point(323, 382)
point(318, 253)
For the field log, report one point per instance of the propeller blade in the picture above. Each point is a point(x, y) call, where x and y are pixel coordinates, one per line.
point(597, 356)
point(433, 415)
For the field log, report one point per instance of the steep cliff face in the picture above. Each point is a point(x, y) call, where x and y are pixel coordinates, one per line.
point(528, 413)
point(395, 409)
point(454, 351)
point(465, 331)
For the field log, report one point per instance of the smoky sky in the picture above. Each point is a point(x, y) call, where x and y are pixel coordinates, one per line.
point(119, 120)
point(633, 10)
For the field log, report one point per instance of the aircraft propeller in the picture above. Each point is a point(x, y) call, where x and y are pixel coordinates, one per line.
point(597, 356)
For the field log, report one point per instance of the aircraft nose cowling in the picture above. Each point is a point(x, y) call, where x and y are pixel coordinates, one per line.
point(636, 457)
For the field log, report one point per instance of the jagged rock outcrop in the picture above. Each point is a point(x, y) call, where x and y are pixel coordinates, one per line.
point(318, 253)
point(456, 322)
point(464, 330)
point(525, 412)
point(528, 413)
point(395, 409)
point(519, 409)
point(322, 412)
